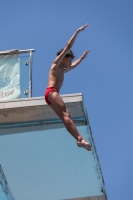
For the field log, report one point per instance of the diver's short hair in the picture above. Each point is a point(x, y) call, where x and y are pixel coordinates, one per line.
point(69, 54)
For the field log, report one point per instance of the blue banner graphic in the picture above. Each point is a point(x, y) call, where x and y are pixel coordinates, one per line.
point(9, 78)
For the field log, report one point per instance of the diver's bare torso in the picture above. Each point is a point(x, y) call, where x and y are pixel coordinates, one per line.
point(56, 76)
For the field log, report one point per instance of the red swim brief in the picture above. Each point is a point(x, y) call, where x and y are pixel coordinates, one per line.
point(48, 90)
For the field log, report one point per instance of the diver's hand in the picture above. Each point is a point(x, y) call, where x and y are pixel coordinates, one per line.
point(83, 27)
point(85, 54)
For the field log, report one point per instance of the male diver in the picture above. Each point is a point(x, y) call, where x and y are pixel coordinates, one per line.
point(62, 64)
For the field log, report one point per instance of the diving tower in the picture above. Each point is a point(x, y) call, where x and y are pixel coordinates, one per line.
point(39, 158)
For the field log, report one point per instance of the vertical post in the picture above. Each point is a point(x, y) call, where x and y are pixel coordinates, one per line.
point(30, 75)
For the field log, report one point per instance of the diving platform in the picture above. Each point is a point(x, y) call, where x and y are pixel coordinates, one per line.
point(41, 159)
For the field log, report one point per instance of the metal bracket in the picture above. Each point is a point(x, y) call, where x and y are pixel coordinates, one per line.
point(26, 92)
point(27, 62)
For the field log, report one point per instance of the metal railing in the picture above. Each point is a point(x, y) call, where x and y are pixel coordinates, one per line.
point(30, 61)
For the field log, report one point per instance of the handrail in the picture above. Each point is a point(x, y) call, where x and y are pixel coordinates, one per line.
point(16, 51)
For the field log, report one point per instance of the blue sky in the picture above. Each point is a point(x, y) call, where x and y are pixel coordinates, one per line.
point(105, 77)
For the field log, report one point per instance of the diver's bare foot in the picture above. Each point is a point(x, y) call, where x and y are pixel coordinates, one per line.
point(84, 144)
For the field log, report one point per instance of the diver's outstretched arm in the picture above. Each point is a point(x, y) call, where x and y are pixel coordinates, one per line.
point(77, 62)
point(69, 44)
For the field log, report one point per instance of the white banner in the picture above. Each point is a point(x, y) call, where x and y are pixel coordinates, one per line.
point(9, 78)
